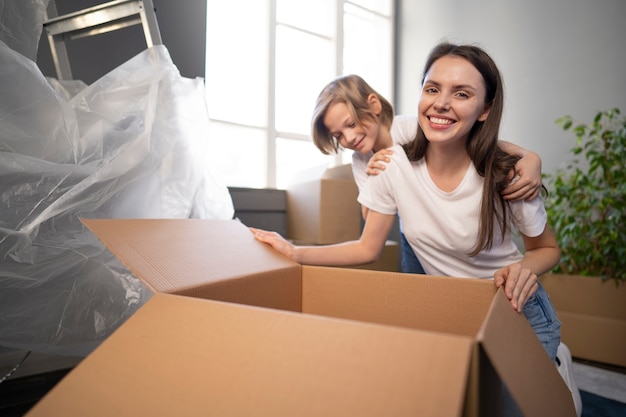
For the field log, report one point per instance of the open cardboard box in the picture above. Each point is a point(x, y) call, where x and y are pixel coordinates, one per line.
point(369, 343)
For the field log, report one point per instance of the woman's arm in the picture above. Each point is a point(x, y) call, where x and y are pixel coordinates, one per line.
point(528, 170)
point(357, 252)
point(542, 253)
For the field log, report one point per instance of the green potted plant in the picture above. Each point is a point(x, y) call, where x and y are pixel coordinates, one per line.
point(586, 205)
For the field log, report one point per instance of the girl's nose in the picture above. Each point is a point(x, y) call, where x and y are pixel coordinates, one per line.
point(350, 135)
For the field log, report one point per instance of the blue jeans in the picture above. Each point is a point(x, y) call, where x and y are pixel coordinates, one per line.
point(409, 263)
point(542, 317)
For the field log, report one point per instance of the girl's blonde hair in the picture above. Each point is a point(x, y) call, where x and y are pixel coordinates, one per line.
point(353, 91)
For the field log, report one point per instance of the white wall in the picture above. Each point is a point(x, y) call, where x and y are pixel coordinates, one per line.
point(557, 57)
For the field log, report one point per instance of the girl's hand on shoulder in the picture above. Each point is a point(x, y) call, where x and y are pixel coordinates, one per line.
point(275, 240)
point(520, 284)
point(377, 162)
point(526, 181)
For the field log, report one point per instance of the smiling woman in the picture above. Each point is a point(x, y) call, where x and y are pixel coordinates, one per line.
point(262, 81)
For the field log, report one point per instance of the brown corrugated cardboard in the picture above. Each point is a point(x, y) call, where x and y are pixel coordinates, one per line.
point(592, 314)
point(180, 356)
point(453, 306)
point(322, 206)
point(464, 310)
point(192, 257)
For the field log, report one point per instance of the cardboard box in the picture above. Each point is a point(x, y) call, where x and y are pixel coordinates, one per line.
point(367, 341)
point(322, 206)
point(592, 314)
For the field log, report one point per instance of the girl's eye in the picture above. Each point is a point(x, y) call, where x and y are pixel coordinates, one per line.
point(352, 125)
point(430, 90)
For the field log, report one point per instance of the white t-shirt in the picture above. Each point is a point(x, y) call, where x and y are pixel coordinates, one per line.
point(403, 130)
point(442, 227)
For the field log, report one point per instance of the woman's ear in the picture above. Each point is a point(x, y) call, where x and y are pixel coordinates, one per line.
point(374, 102)
point(483, 116)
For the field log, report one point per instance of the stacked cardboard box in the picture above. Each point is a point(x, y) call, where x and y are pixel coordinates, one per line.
point(592, 314)
point(251, 332)
point(322, 206)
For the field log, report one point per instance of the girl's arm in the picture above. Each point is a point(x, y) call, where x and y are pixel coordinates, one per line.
point(357, 252)
point(528, 169)
point(542, 253)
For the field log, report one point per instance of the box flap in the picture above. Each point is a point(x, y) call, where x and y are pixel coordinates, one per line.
point(192, 357)
point(202, 258)
point(522, 363)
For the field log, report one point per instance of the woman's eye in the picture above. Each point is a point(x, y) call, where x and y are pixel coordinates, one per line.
point(462, 94)
point(430, 90)
point(352, 125)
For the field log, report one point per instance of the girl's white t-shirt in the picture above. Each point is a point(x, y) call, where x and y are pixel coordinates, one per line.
point(442, 227)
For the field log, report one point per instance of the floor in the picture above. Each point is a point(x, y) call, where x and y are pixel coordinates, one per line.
point(609, 382)
point(21, 388)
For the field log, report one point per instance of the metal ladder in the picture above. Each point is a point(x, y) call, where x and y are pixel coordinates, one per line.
point(96, 20)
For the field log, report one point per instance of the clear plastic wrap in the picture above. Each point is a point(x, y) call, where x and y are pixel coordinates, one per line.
point(21, 24)
point(127, 146)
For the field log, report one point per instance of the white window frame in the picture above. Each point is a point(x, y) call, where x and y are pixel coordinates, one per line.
point(271, 132)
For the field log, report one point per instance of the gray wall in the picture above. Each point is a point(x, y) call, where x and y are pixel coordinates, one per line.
point(557, 57)
point(182, 24)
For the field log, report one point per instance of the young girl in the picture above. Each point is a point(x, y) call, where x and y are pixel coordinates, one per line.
point(351, 114)
point(446, 186)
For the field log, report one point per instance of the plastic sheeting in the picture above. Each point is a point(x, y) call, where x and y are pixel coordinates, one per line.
point(21, 25)
point(127, 146)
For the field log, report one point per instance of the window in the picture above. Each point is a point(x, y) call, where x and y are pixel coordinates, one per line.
point(267, 60)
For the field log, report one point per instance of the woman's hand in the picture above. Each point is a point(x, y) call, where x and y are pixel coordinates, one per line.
point(520, 284)
point(377, 162)
point(526, 181)
point(276, 241)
